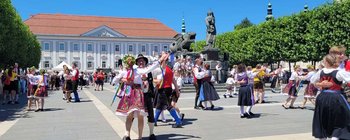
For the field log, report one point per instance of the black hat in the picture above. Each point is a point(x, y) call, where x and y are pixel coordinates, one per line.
point(140, 56)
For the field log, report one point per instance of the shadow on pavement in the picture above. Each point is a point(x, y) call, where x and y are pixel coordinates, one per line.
point(82, 101)
point(188, 121)
point(52, 109)
point(176, 137)
point(10, 112)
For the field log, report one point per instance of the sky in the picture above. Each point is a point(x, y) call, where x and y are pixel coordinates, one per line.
point(170, 12)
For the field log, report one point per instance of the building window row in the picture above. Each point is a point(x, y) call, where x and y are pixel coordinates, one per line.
point(103, 47)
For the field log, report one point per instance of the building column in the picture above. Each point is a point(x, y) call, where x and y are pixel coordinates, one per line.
point(81, 59)
point(54, 54)
point(83, 49)
point(69, 53)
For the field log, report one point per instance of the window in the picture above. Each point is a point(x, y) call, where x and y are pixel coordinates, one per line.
point(76, 47)
point(143, 48)
point(130, 48)
point(156, 48)
point(104, 64)
point(46, 64)
point(165, 48)
point(89, 64)
point(117, 48)
point(46, 46)
point(103, 48)
point(89, 47)
point(61, 47)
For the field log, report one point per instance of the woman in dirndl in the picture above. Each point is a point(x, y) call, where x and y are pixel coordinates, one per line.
point(332, 112)
point(245, 93)
point(311, 90)
point(207, 90)
point(292, 87)
point(131, 104)
point(68, 84)
point(41, 92)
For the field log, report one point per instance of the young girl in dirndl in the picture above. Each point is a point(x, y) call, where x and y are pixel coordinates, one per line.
point(332, 112)
point(311, 90)
point(292, 87)
point(245, 93)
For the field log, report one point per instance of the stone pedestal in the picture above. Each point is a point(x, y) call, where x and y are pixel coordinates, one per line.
point(211, 54)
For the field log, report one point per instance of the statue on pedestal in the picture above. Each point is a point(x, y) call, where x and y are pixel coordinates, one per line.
point(211, 30)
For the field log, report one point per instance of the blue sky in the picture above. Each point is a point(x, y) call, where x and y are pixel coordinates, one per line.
point(170, 12)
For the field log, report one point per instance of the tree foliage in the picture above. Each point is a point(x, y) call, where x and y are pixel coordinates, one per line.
point(245, 23)
point(17, 43)
point(305, 36)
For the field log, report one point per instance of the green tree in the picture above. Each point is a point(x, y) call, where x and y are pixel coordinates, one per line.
point(244, 24)
point(17, 43)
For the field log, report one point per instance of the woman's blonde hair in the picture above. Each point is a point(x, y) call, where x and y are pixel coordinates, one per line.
point(296, 67)
point(331, 60)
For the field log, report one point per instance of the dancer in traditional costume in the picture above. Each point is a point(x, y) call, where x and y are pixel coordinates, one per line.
point(332, 112)
point(164, 94)
point(207, 90)
point(148, 94)
point(41, 91)
point(311, 90)
point(32, 87)
point(245, 93)
point(292, 87)
point(132, 102)
point(259, 93)
point(68, 84)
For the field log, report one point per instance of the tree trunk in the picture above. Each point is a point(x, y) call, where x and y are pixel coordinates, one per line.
point(290, 70)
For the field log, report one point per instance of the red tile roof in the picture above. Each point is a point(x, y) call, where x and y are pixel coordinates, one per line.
point(78, 25)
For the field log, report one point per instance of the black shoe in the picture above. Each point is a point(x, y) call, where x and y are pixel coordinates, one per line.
point(243, 116)
point(196, 107)
point(182, 116)
point(201, 106)
point(152, 137)
point(248, 116)
point(257, 101)
point(16, 102)
point(9, 102)
point(41, 109)
point(37, 110)
point(231, 96)
point(212, 107)
point(263, 101)
point(301, 107)
point(225, 96)
point(251, 114)
point(155, 124)
point(126, 138)
point(176, 125)
point(292, 107)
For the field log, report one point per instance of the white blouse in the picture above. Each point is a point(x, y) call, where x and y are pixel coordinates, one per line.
point(342, 75)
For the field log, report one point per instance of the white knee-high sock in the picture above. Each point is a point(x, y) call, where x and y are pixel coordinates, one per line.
point(242, 110)
point(249, 108)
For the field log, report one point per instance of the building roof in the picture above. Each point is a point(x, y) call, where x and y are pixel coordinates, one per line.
point(60, 24)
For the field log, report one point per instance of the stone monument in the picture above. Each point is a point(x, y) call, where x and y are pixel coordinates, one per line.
point(210, 53)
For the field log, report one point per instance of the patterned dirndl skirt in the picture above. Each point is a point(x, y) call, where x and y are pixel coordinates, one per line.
point(291, 88)
point(331, 116)
point(40, 92)
point(310, 91)
point(132, 100)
